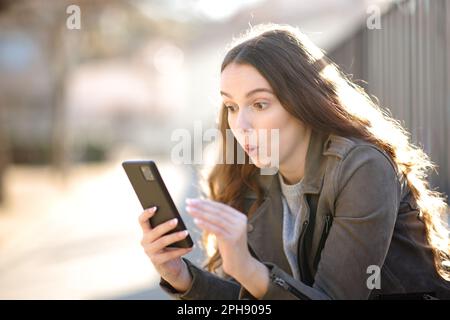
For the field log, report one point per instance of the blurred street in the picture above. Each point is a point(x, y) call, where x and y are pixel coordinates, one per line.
point(80, 241)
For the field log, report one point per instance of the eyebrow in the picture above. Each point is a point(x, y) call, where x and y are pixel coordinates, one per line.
point(249, 93)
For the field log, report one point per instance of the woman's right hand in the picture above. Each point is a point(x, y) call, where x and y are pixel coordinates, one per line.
point(167, 261)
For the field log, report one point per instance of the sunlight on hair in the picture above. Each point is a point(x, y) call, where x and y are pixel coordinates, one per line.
point(210, 245)
point(210, 159)
point(410, 159)
point(314, 52)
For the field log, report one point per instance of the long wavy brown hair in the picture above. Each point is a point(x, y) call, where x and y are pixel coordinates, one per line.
point(313, 89)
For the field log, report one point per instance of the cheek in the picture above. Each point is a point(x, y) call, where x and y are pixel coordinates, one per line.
point(275, 131)
point(289, 134)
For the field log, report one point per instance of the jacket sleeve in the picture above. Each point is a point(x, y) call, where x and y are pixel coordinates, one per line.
point(367, 193)
point(204, 286)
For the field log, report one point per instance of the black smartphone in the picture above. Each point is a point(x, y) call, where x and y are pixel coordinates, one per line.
point(151, 191)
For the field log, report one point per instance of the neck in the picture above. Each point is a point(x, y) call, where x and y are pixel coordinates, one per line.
point(293, 168)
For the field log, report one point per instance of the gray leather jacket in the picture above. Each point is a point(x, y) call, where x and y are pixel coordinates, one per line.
point(359, 217)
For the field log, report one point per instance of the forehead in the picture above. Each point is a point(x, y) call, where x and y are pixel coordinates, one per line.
point(241, 78)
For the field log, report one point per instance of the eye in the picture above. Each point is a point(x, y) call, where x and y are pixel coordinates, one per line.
point(260, 105)
point(230, 108)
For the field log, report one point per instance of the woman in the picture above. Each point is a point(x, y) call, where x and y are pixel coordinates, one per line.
point(348, 215)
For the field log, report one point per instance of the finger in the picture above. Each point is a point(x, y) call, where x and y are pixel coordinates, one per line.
point(213, 208)
point(163, 242)
point(169, 255)
point(228, 210)
point(143, 218)
point(212, 218)
point(211, 228)
point(160, 230)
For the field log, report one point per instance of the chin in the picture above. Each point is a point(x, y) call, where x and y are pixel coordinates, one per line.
point(262, 164)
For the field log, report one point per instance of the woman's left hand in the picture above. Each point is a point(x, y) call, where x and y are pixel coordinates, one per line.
point(230, 228)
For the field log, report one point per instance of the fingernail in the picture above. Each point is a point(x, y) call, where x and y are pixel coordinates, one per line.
point(174, 221)
point(183, 233)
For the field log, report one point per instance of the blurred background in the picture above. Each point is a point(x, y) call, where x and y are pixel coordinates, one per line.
point(87, 84)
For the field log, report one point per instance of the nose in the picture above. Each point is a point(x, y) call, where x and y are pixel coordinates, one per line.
point(245, 128)
point(243, 123)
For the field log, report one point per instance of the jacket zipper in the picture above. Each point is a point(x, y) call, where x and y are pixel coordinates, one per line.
point(323, 238)
point(282, 283)
point(286, 286)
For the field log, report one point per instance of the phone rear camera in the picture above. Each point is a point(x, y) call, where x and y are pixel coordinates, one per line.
point(147, 173)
